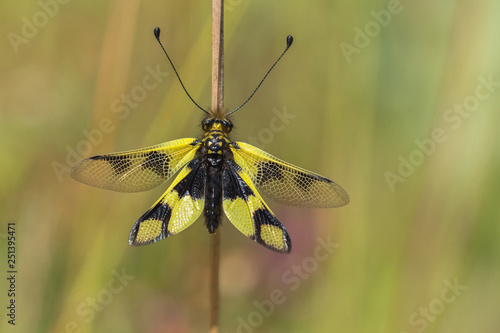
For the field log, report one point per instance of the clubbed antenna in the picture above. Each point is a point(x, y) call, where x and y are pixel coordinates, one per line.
point(289, 41)
point(157, 35)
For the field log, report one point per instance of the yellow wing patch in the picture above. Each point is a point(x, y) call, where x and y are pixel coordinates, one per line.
point(272, 235)
point(136, 170)
point(185, 212)
point(246, 210)
point(176, 210)
point(239, 213)
point(286, 183)
point(148, 231)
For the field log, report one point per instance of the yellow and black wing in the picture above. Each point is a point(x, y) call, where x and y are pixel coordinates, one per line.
point(246, 210)
point(285, 183)
point(136, 170)
point(176, 210)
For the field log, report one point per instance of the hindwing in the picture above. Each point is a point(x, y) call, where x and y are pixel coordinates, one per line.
point(246, 210)
point(286, 183)
point(136, 170)
point(176, 210)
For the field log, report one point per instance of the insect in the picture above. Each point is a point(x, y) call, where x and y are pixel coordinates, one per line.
point(216, 175)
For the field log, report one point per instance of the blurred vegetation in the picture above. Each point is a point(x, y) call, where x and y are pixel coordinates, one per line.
point(356, 118)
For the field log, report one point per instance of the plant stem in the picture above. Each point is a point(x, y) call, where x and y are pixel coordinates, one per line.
point(217, 105)
point(217, 55)
point(214, 282)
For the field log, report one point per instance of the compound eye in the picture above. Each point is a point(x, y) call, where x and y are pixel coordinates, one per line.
point(227, 124)
point(206, 124)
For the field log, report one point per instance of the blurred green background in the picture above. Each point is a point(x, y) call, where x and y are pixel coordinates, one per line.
point(392, 101)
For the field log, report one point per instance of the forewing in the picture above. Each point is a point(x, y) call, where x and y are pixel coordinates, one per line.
point(246, 210)
point(179, 207)
point(135, 170)
point(286, 183)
